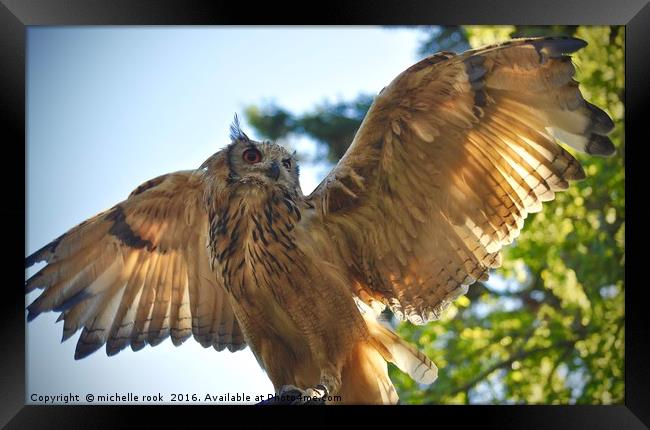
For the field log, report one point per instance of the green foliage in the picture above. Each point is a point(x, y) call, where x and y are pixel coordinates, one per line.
point(548, 327)
point(331, 124)
point(271, 121)
point(443, 38)
point(543, 30)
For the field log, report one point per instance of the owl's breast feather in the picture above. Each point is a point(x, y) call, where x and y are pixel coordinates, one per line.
point(253, 243)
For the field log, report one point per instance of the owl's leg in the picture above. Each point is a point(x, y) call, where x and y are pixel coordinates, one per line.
point(290, 394)
point(330, 382)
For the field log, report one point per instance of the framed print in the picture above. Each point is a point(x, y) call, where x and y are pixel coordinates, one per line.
point(463, 245)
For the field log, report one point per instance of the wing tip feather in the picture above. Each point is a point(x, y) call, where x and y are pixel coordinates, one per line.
point(600, 145)
point(31, 314)
point(557, 46)
point(40, 254)
point(84, 349)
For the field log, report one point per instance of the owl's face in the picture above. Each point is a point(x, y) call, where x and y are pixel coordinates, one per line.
point(262, 163)
point(249, 163)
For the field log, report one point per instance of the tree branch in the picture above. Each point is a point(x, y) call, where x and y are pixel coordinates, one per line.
point(519, 355)
point(560, 360)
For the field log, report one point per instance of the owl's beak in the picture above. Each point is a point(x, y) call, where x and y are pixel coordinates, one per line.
point(274, 171)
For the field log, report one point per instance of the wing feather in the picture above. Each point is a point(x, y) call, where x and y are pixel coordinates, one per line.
point(137, 273)
point(451, 158)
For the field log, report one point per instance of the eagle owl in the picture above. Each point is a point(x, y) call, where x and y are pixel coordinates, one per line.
point(449, 160)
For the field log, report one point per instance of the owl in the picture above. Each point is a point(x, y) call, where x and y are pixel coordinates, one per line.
point(450, 159)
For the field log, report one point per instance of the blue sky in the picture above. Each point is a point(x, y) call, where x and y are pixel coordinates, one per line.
point(111, 107)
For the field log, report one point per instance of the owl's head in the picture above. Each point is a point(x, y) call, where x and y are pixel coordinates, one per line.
point(263, 164)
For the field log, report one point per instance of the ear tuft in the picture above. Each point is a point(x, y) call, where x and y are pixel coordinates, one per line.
point(236, 133)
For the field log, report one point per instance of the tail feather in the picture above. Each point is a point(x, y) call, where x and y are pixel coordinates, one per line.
point(402, 354)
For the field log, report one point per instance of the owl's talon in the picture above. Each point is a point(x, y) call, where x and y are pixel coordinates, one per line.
point(322, 388)
point(297, 396)
point(291, 393)
point(313, 396)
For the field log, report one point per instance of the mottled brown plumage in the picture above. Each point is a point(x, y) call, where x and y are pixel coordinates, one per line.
point(447, 164)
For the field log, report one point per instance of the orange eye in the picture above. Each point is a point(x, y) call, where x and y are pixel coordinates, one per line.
point(252, 156)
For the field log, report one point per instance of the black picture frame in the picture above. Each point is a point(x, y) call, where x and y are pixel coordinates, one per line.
point(16, 15)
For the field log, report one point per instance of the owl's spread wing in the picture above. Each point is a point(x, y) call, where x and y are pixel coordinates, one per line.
point(447, 164)
point(138, 273)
